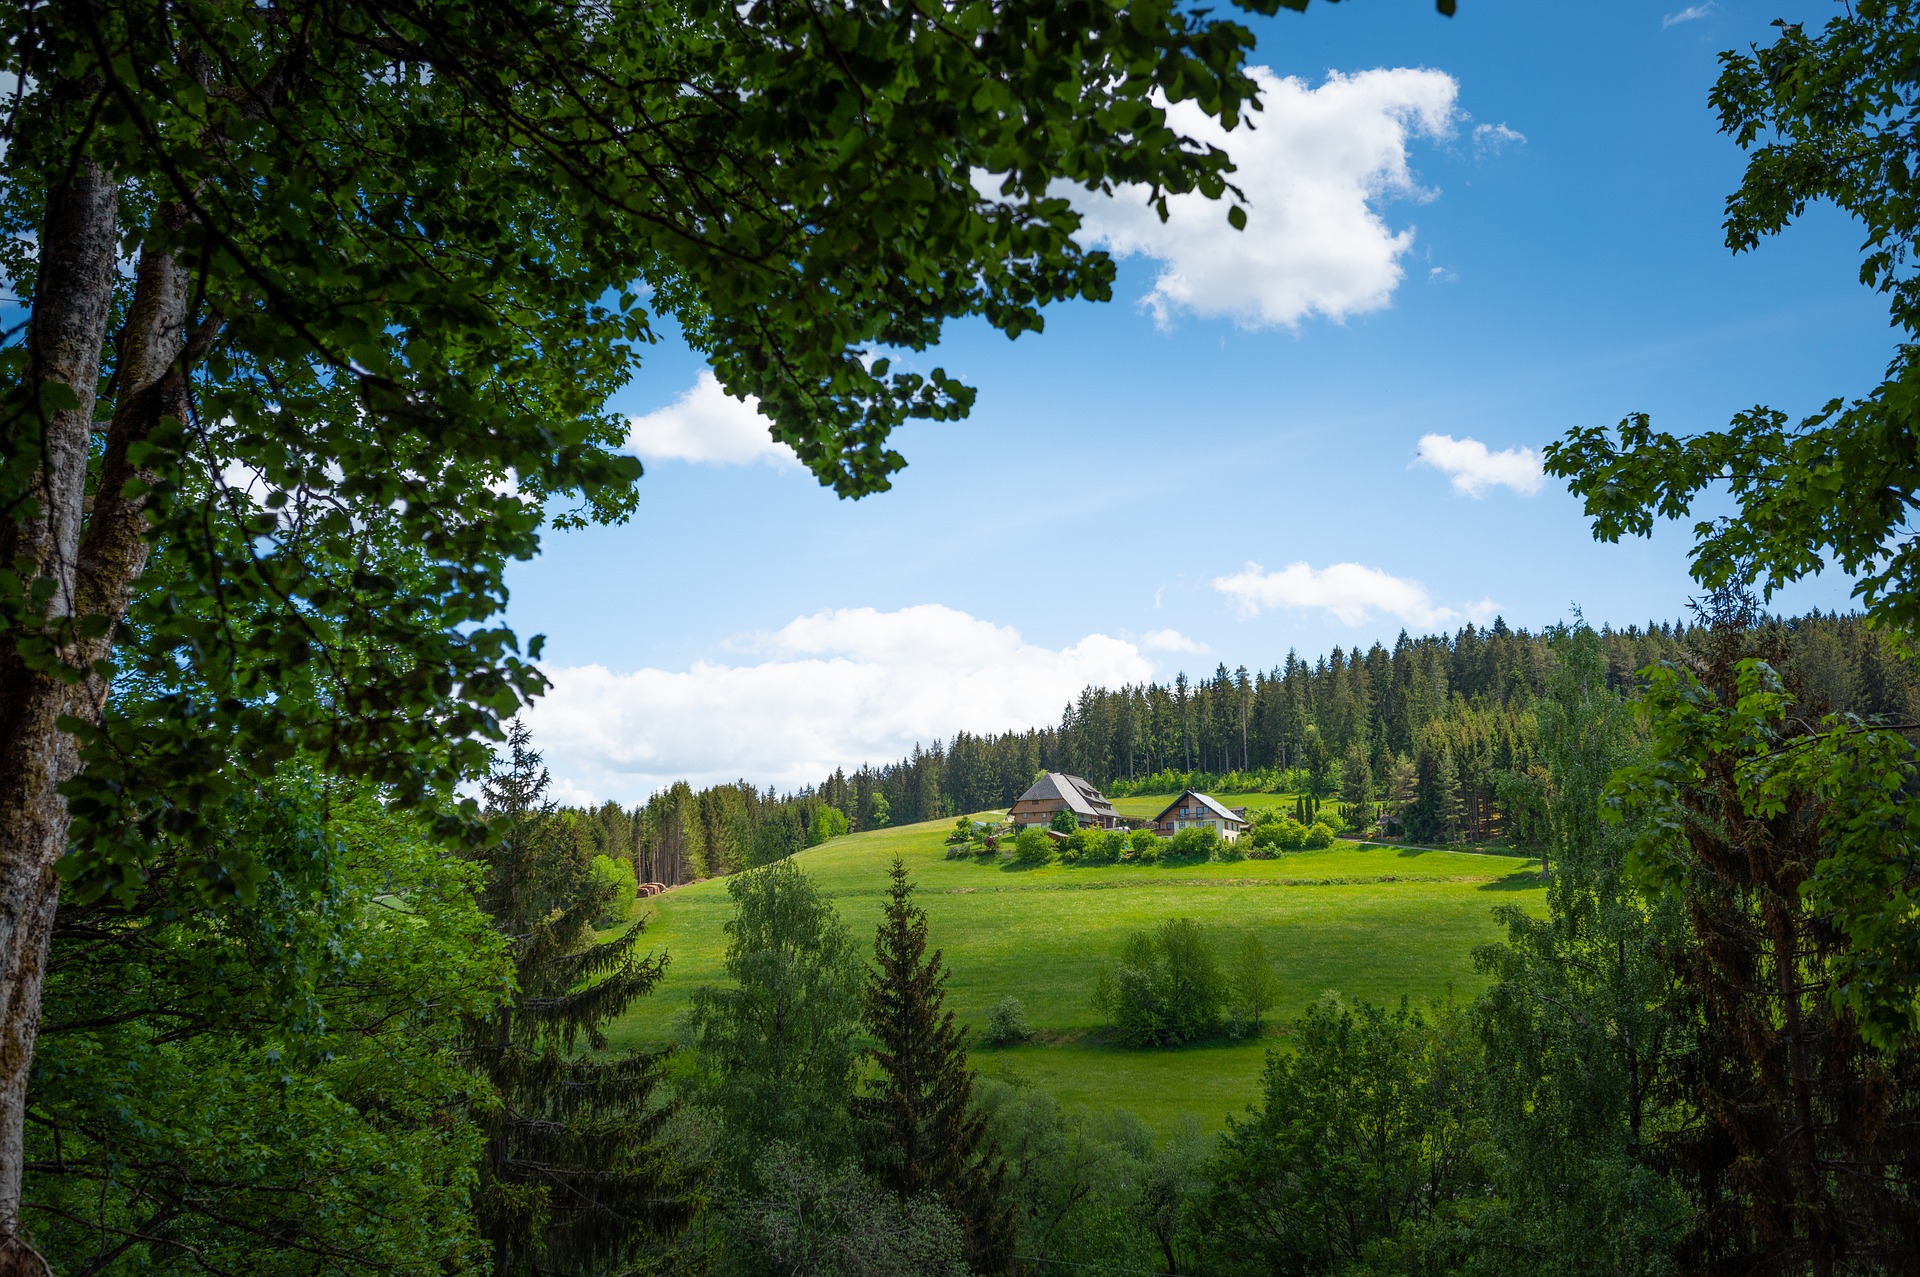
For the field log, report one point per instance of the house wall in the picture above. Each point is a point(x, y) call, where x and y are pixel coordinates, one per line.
point(1041, 812)
point(1228, 832)
point(1197, 814)
point(1038, 812)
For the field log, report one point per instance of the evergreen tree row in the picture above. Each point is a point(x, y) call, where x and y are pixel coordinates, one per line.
point(1298, 725)
point(1440, 728)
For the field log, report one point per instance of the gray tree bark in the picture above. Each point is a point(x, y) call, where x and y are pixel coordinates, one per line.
point(91, 557)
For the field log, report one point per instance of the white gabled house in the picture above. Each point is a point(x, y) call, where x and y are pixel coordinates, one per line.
point(1193, 809)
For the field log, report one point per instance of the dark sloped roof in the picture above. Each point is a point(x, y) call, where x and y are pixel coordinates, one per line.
point(1080, 797)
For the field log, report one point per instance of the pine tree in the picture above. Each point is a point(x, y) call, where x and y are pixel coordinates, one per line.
point(921, 1133)
point(1449, 806)
point(1356, 782)
point(577, 1176)
point(1425, 816)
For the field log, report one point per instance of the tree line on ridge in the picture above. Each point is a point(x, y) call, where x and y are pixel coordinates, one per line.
point(1453, 715)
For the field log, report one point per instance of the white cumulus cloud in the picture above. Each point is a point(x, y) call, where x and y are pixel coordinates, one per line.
point(1474, 467)
point(707, 425)
point(1692, 13)
point(1315, 164)
point(1171, 641)
point(834, 689)
point(1351, 592)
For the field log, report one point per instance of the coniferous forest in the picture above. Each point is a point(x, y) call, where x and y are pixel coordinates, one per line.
point(1291, 728)
point(316, 314)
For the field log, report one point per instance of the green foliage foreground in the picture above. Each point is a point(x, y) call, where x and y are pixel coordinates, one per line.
point(262, 1087)
point(324, 307)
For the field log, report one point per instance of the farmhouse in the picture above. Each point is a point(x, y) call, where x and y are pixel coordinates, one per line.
point(1193, 809)
point(1057, 792)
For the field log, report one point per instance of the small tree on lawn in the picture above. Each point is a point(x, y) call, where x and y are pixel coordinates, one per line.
point(920, 1132)
point(1167, 989)
point(1063, 822)
point(1253, 983)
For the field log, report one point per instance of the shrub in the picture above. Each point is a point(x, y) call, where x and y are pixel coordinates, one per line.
point(1032, 847)
point(1284, 834)
point(1321, 835)
point(1193, 844)
point(1064, 822)
point(1166, 988)
point(1099, 846)
point(617, 879)
point(1230, 850)
point(1143, 840)
point(1006, 1023)
point(814, 1217)
point(828, 823)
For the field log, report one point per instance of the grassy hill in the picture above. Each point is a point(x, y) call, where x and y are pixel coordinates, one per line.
point(1371, 922)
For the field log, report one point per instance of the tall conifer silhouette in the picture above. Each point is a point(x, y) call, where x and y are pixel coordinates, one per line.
point(578, 1177)
point(920, 1134)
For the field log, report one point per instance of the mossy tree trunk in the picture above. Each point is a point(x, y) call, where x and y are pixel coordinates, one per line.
point(75, 557)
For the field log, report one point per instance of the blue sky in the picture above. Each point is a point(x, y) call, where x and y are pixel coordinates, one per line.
point(1491, 228)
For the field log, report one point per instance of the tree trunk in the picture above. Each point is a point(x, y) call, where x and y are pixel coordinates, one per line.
point(65, 335)
point(93, 559)
point(1811, 1213)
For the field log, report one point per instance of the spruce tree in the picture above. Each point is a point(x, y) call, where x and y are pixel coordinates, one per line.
point(920, 1132)
point(1449, 807)
point(577, 1176)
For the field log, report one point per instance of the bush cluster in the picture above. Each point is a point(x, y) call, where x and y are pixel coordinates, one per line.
point(1166, 989)
point(1191, 846)
point(1032, 847)
point(1270, 833)
point(1110, 847)
point(1261, 780)
point(971, 837)
point(1283, 833)
point(1092, 848)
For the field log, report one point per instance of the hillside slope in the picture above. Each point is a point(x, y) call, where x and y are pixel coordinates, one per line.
point(1371, 922)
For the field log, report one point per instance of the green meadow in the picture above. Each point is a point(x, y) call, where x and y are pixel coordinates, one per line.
point(1371, 922)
